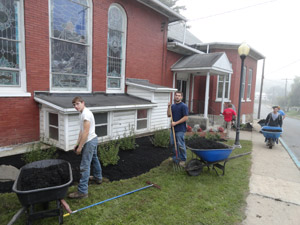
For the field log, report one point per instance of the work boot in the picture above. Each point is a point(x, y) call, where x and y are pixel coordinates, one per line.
point(95, 180)
point(77, 195)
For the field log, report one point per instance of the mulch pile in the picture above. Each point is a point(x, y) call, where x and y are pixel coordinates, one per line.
point(132, 162)
point(202, 143)
point(51, 176)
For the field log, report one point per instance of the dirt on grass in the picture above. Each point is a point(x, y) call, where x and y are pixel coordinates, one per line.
point(202, 143)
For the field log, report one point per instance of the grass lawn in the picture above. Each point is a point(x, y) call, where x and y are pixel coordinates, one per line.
point(204, 199)
point(293, 114)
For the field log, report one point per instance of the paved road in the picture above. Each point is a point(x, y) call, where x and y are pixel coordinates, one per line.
point(290, 129)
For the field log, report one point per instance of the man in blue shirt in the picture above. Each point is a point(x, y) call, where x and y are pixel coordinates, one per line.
point(281, 113)
point(180, 116)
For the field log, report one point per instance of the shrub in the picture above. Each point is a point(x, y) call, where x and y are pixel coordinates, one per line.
point(161, 138)
point(109, 153)
point(37, 152)
point(128, 142)
point(199, 130)
point(188, 128)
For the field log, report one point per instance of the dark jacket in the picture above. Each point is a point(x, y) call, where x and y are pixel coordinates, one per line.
point(274, 123)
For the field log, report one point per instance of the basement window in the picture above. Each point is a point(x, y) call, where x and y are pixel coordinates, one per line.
point(101, 124)
point(53, 126)
point(142, 119)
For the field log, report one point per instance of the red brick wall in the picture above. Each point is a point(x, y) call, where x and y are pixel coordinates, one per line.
point(146, 57)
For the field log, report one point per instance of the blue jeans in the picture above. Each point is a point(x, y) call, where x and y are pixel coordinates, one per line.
point(89, 155)
point(181, 149)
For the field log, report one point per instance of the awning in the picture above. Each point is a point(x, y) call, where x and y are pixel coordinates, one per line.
point(200, 64)
point(145, 84)
point(97, 101)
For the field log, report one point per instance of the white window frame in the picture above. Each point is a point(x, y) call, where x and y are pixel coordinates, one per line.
point(21, 89)
point(228, 91)
point(147, 119)
point(104, 124)
point(124, 42)
point(89, 53)
point(249, 84)
point(243, 83)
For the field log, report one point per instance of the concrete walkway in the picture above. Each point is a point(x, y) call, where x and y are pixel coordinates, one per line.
point(274, 195)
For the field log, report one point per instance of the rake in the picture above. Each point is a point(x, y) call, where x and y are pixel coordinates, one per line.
point(70, 212)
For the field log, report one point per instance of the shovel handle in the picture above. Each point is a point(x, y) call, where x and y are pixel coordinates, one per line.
point(174, 136)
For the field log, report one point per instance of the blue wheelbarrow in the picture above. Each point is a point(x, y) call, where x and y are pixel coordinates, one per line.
point(271, 135)
point(217, 158)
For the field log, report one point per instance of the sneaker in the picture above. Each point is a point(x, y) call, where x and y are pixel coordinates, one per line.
point(182, 164)
point(77, 195)
point(95, 180)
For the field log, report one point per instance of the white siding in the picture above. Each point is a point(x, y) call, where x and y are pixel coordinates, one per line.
point(122, 123)
point(73, 130)
point(159, 118)
point(42, 124)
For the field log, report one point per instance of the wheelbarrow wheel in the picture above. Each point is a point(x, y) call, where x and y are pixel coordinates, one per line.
point(194, 167)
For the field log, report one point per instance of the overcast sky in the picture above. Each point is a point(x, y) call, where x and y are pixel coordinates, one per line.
point(269, 26)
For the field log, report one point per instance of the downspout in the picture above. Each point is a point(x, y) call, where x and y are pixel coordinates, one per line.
point(163, 28)
point(192, 94)
point(174, 79)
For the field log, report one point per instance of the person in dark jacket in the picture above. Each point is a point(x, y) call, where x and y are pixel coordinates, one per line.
point(274, 119)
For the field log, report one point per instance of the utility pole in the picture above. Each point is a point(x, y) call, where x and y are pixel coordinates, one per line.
point(261, 89)
point(285, 90)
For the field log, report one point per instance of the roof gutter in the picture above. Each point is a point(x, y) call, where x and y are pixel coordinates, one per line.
point(151, 88)
point(95, 109)
point(180, 45)
point(164, 7)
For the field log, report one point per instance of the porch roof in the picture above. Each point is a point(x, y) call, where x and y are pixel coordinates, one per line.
point(97, 101)
point(215, 63)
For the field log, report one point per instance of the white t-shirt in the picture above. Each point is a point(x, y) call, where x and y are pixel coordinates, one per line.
point(88, 115)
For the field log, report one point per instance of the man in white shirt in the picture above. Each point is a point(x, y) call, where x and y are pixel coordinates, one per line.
point(87, 144)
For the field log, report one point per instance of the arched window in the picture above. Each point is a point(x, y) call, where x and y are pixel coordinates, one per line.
point(70, 41)
point(116, 48)
point(12, 51)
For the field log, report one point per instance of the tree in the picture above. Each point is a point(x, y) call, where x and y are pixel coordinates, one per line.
point(294, 95)
point(172, 5)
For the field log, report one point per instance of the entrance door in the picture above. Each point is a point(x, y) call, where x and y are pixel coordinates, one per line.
point(181, 86)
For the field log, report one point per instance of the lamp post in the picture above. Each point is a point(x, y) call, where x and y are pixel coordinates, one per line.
point(243, 51)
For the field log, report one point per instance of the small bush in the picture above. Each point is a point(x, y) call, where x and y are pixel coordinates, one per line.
point(36, 153)
point(161, 138)
point(221, 129)
point(189, 128)
point(128, 142)
point(108, 153)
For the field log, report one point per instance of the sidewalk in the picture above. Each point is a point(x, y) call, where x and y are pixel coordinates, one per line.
point(274, 188)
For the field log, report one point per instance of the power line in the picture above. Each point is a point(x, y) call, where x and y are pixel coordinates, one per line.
point(234, 10)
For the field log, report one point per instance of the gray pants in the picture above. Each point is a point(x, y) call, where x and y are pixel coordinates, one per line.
point(227, 126)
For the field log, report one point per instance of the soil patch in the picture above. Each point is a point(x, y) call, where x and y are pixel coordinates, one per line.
point(202, 143)
point(132, 162)
point(51, 176)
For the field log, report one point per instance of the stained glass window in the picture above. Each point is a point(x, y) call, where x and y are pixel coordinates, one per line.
point(69, 45)
point(9, 43)
point(116, 47)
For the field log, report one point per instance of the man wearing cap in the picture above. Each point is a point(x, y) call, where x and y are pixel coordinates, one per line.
point(274, 119)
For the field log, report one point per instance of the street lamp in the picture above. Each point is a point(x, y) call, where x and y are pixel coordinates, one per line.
point(243, 51)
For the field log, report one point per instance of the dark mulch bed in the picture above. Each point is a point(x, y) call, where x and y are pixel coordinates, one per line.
point(202, 143)
point(132, 162)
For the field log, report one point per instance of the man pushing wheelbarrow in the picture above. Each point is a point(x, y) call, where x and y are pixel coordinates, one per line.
point(272, 129)
point(179, 115)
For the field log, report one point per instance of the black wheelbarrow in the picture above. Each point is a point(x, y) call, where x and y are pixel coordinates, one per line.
point(59, 174)
point(210, 157)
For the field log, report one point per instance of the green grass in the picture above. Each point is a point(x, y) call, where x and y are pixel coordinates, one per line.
point(204, 199)
point(293, 114)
